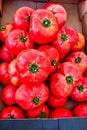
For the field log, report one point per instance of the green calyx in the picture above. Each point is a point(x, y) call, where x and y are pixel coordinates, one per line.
point(77, 60)
point(28, 18)
point(36, 100)
point(46, 23)
point(69, 79)
point(64, 37)
point(53, 63)
point(33, 68)
point(80, 88)
point(2, 28)
point(23, 39)
point(42, 115)
point(11, 117)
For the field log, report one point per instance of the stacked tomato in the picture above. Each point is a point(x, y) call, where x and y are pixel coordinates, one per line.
point(42, 65)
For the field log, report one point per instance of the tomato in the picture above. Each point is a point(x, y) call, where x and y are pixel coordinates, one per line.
point(8, 95)
point(79, 58)
point(21, 18)
point(80, 110)
point(5, 30)
point(12, 112)
point(30, 97)
point(13, 74)
point(53, 55)
point(5, 54)
point(55, 102)
point(60, 113)
point(40, 112)
point(33, 66)
point(80, 44)
point(65, 39)
point(18, 40)
point(58, 11)
point(4, 76)
point(79, 92)
point(43, 26)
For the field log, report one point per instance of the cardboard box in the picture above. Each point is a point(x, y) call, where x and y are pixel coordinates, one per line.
point(77, 18)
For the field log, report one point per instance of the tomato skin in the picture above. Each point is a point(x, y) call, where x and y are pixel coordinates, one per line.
point(4, 73)
point(65, 39)
point(12, 112)
point(55, 102)
point(21, 18)
point(79, 92)
point(13, 74)
point(60, 113)
point(5, 54)
point(18, 40)
point(80, 44)
point(43, 26)
point(29, 97)
point(5, 30)
point(58, 11)
point(40, 112)
point(8, 95)
point(48, 4)
point(33, 66)
point(53, 55)
point(79, 58)
point(80, 110)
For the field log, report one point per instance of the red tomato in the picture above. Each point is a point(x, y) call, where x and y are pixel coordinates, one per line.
point(58, 11)
point(60, 113)
point(40, 112)
point(79, 92)
point(12, 112)
point(55, 102)
point(12, 71)
point(5, 30)
point(18, 40)
point(4, 76)
point(30, 97)
point(43, 26)
point(65, 39)
point(5, 54)
point(80, 44)
point(79, 58)
point(80, 110)
point(21, 18)
point(53, 55)
point(8, 95)
point(33, 66)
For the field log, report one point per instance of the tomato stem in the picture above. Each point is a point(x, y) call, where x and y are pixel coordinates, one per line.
point(64, 37)
point(80, 88)
point(36, 100)
point(33, 68)
point(2, 28)
point(11, 117)
point(28, 18)
point(46, 22)
point(77, 60)
point(42, 115)
point(69, 79)
point(53, 63)
point(23, 38)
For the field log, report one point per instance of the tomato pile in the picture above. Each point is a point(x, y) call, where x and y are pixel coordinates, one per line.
point(42, 65)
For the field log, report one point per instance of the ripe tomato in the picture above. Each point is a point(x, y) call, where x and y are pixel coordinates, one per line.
point(21, 18)
point(8, 95)
point(29, 97)
point(79, 58)
point(33, 66)
point(18, 40)
point(60, 113)
point(4, 76)
point(12, 112)
point(5, 54)
point(5, 30)
point(79, 92)
point(43, 26)
point(58, 11)
point(40, 112)
point(80, 110)
point(65, 39)
point(53, 55)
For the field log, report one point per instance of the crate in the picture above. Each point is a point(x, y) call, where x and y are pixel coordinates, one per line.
point(77, 18)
